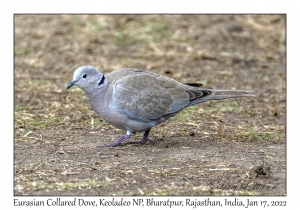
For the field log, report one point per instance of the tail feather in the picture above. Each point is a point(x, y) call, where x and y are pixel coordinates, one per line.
point(220, 94)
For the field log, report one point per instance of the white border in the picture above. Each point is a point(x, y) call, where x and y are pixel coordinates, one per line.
point(153, 6)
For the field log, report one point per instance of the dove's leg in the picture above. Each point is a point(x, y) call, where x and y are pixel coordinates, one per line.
point(118, 141)
point(144, 139)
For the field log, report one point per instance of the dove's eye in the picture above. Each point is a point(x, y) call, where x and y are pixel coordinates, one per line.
point(84, 76)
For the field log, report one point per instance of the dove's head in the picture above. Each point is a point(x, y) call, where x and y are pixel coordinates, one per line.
point(87, 78)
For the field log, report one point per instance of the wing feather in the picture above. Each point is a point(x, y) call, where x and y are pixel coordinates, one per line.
point(147, 96)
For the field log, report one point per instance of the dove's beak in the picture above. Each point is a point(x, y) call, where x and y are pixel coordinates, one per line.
point(72, 84)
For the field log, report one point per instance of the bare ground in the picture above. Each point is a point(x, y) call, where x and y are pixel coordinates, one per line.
point(230, 147)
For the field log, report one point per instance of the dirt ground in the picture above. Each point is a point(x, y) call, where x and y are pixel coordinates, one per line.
point(229, 147)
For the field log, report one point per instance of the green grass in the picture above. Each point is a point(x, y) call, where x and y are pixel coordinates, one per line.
point(96, 26)
point(159, 192)
point(63, 185)
point(225, 106)
point(147, 29)
point(247, 192)
point(265, 79)
point(170, 160)
point(185, 114)
point(183, 134)
point(78, 94)
point(210, 107)
point(255, 134)
point(267, 136)
point(31, 122)
point(22, 52)
point(120, 193)
point(123, 40)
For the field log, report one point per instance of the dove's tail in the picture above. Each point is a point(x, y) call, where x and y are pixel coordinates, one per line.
point(210, 95)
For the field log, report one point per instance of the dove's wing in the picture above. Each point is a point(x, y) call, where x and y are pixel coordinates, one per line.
point(147, 96)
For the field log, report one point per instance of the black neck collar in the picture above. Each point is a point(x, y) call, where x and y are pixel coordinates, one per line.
point(101, 81)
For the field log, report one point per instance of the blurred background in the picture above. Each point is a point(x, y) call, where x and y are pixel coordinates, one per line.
point(244, 50)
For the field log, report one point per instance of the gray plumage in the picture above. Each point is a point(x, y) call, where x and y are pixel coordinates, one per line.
point(135, 100)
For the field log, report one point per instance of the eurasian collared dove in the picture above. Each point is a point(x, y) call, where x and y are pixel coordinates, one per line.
point(135, 100)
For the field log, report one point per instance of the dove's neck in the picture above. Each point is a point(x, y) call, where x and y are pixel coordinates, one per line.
point(95, 86)
point(97, 97)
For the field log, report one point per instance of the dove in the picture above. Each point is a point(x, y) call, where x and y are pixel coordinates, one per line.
point(135, 100)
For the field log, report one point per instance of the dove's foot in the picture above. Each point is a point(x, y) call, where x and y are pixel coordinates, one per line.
point(116, 143)
point(144, 139)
